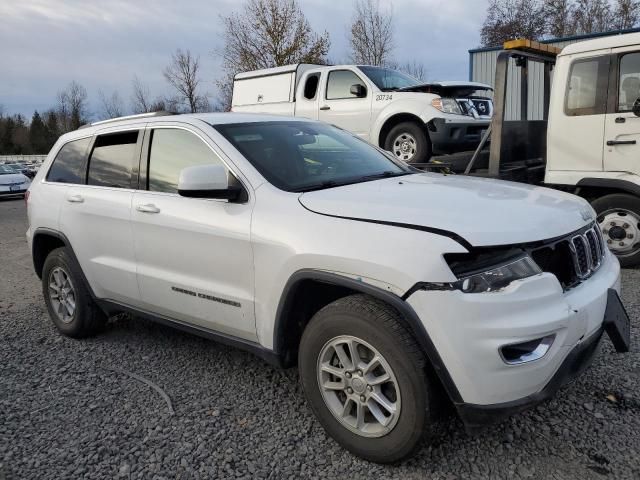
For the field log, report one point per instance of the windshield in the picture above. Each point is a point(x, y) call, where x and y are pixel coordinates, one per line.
point(6, 170)
point(387, 79)
point(301, 156)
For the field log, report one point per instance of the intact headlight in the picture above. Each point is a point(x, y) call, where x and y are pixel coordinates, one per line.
point(447, 105)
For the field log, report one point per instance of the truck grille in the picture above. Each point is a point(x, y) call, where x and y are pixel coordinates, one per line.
point(574, 258)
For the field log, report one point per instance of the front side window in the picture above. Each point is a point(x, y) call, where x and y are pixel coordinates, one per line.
point(387, 79)
point(300, 156)
point(112, 159)
point(629, 82)
point(339, 84)
point(587, 88)
point(173, 149)
point(70, 164)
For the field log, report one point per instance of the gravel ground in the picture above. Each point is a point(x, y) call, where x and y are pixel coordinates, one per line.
point(70, 409)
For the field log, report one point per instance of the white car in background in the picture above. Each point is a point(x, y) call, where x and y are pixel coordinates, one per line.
point(12, 182)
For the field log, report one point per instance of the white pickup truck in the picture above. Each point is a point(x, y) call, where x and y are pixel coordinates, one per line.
point(390, 109)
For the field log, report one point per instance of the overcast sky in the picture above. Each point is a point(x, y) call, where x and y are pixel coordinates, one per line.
point(44, 44)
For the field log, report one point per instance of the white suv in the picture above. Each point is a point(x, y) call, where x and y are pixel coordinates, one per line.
point(390, 288)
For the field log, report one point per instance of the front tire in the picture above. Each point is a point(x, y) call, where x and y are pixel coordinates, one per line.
point(409, 143)
point(363, 375)
point(70, 306)
point(619, 220)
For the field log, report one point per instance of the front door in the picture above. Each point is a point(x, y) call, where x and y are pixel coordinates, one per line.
point(342, 108)
point(194, 256)
point(622, 130)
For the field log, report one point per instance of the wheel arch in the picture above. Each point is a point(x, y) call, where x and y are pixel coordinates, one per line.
point(592, 188)
point(290, 323)
point(394, 120)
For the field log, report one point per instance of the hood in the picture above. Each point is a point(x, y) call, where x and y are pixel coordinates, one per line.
point(450, 89)
point(11, 178)
point(484, 212)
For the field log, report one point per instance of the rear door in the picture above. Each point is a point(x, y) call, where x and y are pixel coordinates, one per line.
point(342, 108)
point(622, 129)
point(308, 95)
point(195, 261)
point(96, 216)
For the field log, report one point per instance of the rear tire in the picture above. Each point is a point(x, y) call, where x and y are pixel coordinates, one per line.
point(394, 412)
point(619, 219)
point(70, 306)
point(409, 143)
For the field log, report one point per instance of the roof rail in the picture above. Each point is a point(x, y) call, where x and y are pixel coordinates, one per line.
point(161, 113)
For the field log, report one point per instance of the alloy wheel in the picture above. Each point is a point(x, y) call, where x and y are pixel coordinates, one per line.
point(62, 295)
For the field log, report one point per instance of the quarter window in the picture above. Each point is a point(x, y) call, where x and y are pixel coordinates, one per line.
point(112, 160)
point(172, 150)
point(587, 89)
point(311, 86)
point(629, 82)
point(70, 165)
point(339, 84)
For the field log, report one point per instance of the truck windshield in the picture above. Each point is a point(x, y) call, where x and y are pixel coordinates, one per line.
point(306, 156)
point(387, 79)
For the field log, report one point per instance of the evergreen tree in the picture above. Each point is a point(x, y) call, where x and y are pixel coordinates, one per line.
point(38, 135)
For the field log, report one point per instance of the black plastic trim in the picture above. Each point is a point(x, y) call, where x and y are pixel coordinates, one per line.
point(436, 231)
point(255, 348)
point(478, 416)
point(623, 185)
point(407, 313)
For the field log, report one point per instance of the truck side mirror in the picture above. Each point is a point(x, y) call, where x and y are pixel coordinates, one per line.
point(358, 90)
point(636, 108)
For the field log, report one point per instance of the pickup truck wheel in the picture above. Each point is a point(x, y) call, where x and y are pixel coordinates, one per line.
point(67, 298)
point(619, 219)
point(363, 375)
point(409, 143)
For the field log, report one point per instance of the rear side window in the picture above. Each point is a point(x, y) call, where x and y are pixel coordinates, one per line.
point(173, 149)
point(311, 86)
point(339, 84)
point(70, 165)
point(587, 88)
point(112, 160)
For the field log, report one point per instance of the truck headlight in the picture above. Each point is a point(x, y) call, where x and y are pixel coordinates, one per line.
point(446, 105)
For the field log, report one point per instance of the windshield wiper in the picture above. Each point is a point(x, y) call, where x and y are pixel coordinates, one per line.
point(385, 174)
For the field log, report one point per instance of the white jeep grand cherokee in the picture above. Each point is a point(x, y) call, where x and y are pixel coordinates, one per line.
point(298, 241)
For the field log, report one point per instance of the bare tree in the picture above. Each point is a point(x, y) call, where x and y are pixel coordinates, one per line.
point(510, 19)
point(72, 109)
point(371, 34)
point(416, 69)
point(182, 75)
point(267, 33)
point(627, 14)
point(112, 106)
point(592, 16)
point(141, 101)
point(559, 14)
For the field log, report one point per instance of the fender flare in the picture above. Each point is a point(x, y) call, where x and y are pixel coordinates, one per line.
point(63, 238)
point(407, 313)
point(613, 183)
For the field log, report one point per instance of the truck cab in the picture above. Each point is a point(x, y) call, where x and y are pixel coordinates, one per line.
point(388, 108)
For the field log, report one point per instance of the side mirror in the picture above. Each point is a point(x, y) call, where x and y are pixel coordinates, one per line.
point(358, 90)
point(207, 181)
point(636, 108)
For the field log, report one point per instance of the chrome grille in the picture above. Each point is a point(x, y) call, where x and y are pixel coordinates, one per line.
point(587, 252)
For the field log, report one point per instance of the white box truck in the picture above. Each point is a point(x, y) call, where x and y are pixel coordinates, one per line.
point(388, 108)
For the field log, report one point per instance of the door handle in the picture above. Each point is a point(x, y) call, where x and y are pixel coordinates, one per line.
point(611, 143)
point(325, 107)
point(75, 199)
point(621, 120)
point(148, 208)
